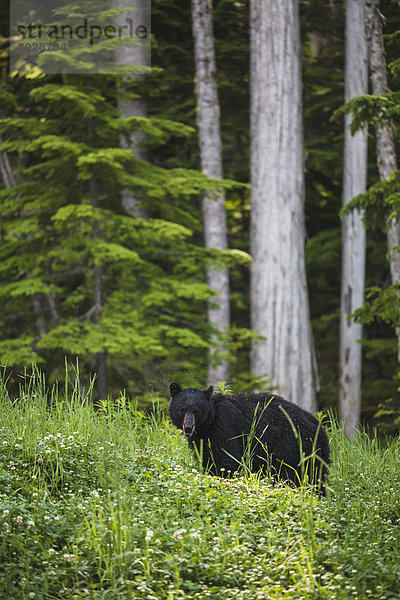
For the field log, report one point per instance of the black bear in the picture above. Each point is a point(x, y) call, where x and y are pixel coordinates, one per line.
point(260, 431)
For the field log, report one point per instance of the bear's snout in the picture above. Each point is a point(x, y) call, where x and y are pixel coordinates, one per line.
point(188, 424)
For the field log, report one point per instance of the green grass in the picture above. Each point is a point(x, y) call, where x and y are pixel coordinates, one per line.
point(112, 505)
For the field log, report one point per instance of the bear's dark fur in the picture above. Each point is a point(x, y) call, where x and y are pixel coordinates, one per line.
point(263, 430)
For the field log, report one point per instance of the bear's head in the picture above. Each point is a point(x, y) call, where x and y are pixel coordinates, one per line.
point(191, 409)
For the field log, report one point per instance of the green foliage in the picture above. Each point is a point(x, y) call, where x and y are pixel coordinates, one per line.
point(380, 203)
point(223, 388)
point(380, 304)
point(64, 219)
point(376, 110)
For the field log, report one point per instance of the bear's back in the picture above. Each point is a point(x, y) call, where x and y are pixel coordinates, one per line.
point(270, 408)
point(274, 419)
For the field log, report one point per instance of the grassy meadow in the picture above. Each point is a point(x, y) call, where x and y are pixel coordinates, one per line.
point(112, 505)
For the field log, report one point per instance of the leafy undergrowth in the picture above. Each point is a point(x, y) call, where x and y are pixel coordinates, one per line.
point(111, 505)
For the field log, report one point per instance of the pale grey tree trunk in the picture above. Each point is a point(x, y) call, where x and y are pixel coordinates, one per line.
point(215, 230)
point(279, 296)
point(353, 231)
point(101, 356)
point(135, 107)
point(384, 135)
point(98, 290)
point(132, 107)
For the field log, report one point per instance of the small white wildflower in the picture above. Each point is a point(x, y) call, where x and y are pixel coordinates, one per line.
point(69, 557)
point(178, 533)
point(18, 519)
point(51, 551)
point(31, 524)
point(35, 495)
point(149, 535)
point(6, 513)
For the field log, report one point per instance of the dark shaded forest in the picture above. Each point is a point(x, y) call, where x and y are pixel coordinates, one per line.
point(64, 227)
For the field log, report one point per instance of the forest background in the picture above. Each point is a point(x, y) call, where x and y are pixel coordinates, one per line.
point(62, 218)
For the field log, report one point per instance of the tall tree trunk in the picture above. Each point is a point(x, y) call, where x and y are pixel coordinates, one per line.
point(211, 164)
point(353, 231)
point(279, 297)
point(135, 107)
point(384, 135)
point(132, 107)
point(101, 356)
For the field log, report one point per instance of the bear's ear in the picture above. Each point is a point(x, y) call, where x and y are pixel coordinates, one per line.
point(208, 392)
point(174, 389)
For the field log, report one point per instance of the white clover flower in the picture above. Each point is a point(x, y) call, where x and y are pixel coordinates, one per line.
point(178, 533)
point(6, 512)
point(51, 551)
point(149, 535)
point(69, 557)
point(31, 524)
point(18, 519)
